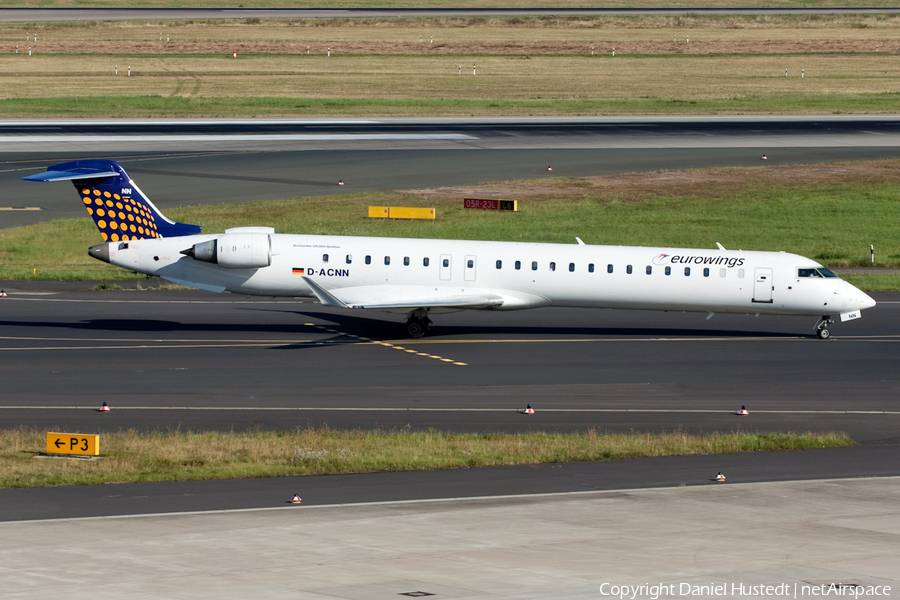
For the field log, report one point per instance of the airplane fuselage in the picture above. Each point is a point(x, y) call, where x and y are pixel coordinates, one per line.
point(380, 273)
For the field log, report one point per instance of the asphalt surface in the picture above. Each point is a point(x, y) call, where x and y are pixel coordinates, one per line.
point(193, 360)
point(203, 361)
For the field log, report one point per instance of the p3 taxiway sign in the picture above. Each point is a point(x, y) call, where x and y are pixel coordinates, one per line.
point(73, 443)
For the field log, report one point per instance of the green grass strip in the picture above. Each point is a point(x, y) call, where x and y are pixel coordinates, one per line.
point(158, 106)
point(130, 456)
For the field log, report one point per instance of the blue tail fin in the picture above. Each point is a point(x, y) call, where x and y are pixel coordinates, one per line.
point(119, 208)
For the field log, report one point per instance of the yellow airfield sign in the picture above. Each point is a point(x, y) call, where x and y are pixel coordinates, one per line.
point(73, 443)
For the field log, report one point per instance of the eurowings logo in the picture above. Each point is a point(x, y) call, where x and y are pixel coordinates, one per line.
point(661, 259)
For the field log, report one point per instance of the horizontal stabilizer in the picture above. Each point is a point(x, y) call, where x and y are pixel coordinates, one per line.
point(72, 175)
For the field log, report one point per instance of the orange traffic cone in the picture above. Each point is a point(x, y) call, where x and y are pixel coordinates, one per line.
point(743, 412)
point(764, 157)
point(720, 477)
point(2, 294)
point(341, 182)
point(104, 408)
point(549, 168)
point(529, 410)
point(295, 499)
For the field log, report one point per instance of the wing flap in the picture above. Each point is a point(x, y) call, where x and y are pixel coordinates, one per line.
point(382, 301)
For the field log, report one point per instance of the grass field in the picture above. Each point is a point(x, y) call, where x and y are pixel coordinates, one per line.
point(438, 3)
point(536, 66)
point(832, 216)
point(130, 456)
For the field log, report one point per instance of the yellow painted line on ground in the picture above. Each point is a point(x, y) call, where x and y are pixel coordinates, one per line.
point(387, 345)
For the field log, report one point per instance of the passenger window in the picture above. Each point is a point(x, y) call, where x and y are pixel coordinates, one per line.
point(534, 265)
point(349, 259)
point(446, 262)
point(628, 269)
point(368, 260)
point(722, 272)
point(687, 271)
point(649, 269)
point(553, 266)
point(324, 258)
point(706, 271)
point(387, 260)
point(425, 261)
point(518, 265)
point(405, 261)
point(591, 268)
point(609, 269)
point(740, 273)
point(571, 267)
point(499, 264)
point(470, 264)
point(668, 270)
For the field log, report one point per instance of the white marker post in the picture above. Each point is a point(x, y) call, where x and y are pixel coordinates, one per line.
point(117, 69)
point(802, 73)
point(307, 50)
point(432, 40)
point(872, 252)
point(460, 70)
point(329, 52)
point(688, 39)
point(614, 51)
point(35, 37)
point(129, 70)
point(17, 48)
point(592, 50)
point(785, 72)
point(473, 69)
point(167, 38)
point(29, 50)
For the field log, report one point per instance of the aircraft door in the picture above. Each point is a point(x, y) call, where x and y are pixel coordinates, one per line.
point(470, 268)
point(762, 285)
point(446, 265)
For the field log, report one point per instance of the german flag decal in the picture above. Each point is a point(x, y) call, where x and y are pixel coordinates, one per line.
point(297, 271)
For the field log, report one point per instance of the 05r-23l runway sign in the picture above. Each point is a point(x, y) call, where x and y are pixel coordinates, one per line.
point(73, 443)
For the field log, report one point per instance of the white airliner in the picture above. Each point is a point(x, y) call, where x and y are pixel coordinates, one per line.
point(422, 277)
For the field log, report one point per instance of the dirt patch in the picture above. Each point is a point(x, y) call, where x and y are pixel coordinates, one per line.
point(698, 183)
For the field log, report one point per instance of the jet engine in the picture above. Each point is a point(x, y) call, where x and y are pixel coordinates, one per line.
point(234, 251)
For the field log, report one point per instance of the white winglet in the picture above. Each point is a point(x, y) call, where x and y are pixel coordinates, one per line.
point(580, 243)
point(721, 247)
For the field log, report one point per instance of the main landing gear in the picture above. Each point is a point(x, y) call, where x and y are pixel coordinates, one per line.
point(418, 322)
point(822, 327)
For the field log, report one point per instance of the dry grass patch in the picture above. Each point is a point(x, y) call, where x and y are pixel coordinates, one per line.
point(130, 456)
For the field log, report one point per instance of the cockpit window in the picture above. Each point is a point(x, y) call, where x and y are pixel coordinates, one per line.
point(815, 272)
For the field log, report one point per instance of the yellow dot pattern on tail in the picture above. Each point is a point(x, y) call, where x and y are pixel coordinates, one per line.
point(119, 218)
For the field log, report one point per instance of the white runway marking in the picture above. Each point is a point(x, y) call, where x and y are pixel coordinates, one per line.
point(482, 410)
point(286, 137)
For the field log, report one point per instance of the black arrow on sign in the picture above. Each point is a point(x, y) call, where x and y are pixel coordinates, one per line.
point(58, 442)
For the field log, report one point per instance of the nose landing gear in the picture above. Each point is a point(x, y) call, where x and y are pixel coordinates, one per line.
point(822, 327)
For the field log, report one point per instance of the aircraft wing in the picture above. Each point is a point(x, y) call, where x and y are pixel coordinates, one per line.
point(474, 301)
